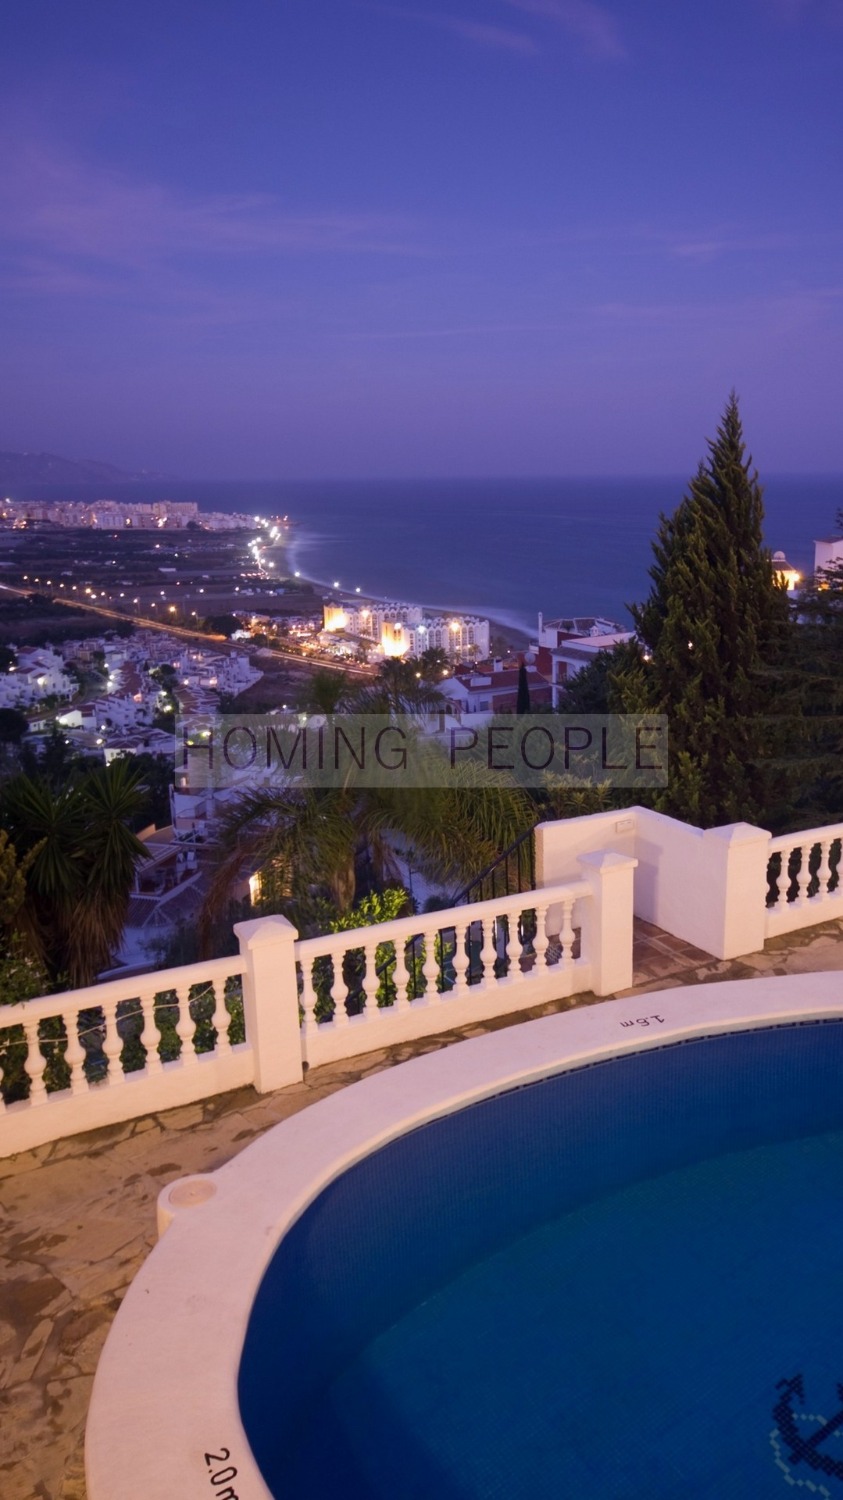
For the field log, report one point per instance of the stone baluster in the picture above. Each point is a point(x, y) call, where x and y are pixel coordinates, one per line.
point(488, 952)
point(430, 967)
point(336, 955)
point(371, 983)
point(36, 1062)
point(185, 1028)
point(407, 952)
point(308, 996)
point(460, 960)
point(566, 933)
point(541, 939)
point(221, 1020)
point(150, 1036)
point(75, 1054)
point(112, 1044)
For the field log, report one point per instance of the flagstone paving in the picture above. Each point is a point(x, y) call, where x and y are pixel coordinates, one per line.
point(77, 1218)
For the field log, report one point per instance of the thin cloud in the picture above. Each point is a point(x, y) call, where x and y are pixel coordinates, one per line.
point(466, 330)
point(776, 313)
point(62, 206)
point(590, 24)
point(793, 13)
point(480, 33)
point(711, 246)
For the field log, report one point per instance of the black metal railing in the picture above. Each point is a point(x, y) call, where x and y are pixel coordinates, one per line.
point(513, 872)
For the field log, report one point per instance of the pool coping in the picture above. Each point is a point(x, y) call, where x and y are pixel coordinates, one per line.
point(164, 1399)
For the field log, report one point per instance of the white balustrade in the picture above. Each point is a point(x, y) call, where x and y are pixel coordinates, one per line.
point(136, 1051)
point(461, 948)
point(98, 1090)
point(803, 899)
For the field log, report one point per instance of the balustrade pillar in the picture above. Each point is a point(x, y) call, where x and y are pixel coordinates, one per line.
point(271, 1000)
point(607, 920)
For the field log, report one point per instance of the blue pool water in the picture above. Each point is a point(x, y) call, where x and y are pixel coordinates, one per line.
point(609, 1284)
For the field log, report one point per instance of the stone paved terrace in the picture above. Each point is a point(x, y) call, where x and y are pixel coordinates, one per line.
point(78, 1216)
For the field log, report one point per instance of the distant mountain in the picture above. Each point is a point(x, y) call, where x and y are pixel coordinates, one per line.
point(26, 469)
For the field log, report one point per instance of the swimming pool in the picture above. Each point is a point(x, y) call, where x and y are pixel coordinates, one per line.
point(594, 1285)
point(596, 1256)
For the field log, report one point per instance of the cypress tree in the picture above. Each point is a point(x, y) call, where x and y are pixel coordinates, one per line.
point(709, 634)
point(816, 662)
point(522, 701)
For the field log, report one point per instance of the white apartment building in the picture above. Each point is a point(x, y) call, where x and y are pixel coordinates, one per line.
point(404, 630)
point(39, 674)
point(119, 514)
point(369, 617)
point(574, 627)
point(828, 551)
point(459, 636)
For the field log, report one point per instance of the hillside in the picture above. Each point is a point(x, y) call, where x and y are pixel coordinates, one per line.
point(27, 469)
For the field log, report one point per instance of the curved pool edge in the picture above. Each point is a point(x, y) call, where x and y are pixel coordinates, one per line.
point(172, 1356)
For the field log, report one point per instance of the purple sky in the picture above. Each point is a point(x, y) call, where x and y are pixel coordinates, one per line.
point(319, 237)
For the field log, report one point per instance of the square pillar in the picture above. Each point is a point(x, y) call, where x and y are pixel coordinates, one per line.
point(271, 1000)
point(607, 920)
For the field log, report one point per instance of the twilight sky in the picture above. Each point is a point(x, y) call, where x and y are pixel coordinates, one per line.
point(306, 238)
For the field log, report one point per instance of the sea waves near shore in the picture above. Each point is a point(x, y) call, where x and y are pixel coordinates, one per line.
point(507, 549)
point(502, 548)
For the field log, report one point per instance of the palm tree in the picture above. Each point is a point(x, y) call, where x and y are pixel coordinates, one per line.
point(83, 859)
point(325, 692)
point(400, 687)
point(312, 844)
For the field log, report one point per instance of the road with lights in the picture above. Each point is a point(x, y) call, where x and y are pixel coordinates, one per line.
point(201, 637)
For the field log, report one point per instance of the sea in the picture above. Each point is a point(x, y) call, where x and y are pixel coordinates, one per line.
point(503, 548)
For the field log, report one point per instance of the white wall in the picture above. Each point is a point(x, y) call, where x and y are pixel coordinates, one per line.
point(707, 887)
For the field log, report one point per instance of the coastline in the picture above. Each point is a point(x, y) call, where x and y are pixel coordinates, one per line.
point(516, 634)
